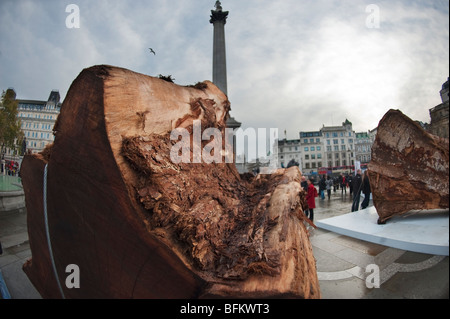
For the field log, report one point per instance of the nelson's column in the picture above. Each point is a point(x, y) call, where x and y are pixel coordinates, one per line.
point(218, 19)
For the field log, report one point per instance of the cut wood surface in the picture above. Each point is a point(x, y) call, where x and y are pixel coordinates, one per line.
point(139, 225)
point(409, 169)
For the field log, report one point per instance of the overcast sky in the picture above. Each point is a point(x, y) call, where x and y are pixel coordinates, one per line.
point(293, 65)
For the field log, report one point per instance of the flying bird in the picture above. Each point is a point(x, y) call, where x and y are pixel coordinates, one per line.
point(151, 51)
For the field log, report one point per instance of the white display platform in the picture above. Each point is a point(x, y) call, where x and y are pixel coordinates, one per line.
point(419, 231)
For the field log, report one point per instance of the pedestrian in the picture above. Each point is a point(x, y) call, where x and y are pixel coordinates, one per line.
point(311, 199)
point(350, 184)
point(366, 190)
point(3, 165)
point(329, 184)
point(304, 183)
point(322, 187)
point(343, 183)
point(357, 184)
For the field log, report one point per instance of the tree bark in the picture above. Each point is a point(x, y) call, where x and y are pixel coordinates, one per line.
point(409, 168)
point(139, 225)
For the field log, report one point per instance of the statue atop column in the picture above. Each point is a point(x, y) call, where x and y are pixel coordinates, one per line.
point(218, 15)
point(218, 6)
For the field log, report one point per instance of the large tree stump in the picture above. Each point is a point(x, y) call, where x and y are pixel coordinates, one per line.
point(139, 225)
point(409, 168)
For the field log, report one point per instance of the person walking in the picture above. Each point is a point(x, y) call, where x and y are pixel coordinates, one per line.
point(343, 183)
point(366, 190)
point(322, 187)
point(350, 184)
point(357, 184)
point(304, 183)
point(311, 199)
point(329, 185)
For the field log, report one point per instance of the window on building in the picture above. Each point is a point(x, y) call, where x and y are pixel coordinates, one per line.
point(336, 148)
point(318, 148)
point(311, 140)
point(307, 157)
point(305, 141)
point(342, 147)
point(319, 156)
point(328, 148)
point(335, 134)
point(306, 149)
point(313, 156)
point(313, 165)
point(307, 165)
point(335, 142)
point(313, 148)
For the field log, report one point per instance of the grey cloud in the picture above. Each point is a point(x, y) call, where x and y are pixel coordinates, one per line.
point(291, 64)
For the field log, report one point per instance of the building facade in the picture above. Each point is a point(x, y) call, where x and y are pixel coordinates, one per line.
point(331, 150)
point(289, 150)
point(38, 119)
point(363, 148)
point(339, 148)
point(311, 146)
point(439, 124)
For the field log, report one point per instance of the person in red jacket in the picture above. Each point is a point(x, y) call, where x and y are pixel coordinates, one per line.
point(311, 199)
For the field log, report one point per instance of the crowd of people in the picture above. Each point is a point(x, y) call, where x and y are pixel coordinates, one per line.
point(356, 185)
point(10, 168)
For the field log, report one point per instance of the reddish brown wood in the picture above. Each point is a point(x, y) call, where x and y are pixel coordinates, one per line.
point(139, 225)
point(409, 168)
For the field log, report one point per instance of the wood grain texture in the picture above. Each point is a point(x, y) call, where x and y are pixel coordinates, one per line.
point(409, 169)
point(139, 225)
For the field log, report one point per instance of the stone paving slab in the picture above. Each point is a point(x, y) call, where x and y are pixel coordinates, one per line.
point(341, 262)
